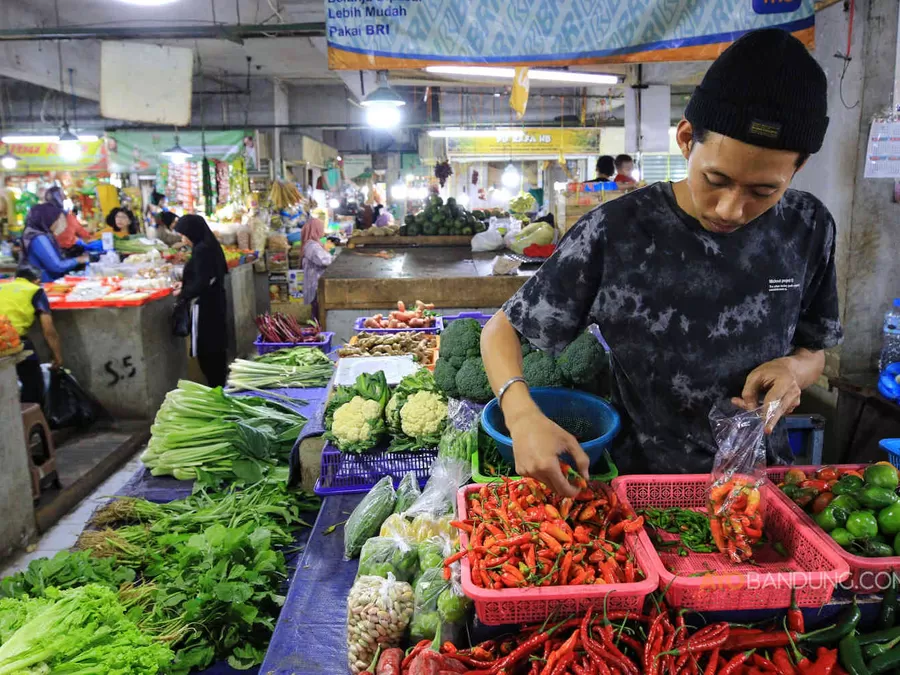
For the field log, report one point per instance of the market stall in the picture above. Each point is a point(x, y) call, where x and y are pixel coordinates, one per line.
point(365, 282)
point(402, 445)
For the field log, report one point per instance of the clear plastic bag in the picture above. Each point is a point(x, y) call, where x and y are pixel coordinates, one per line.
point(368, 516)
point(438, 602)
point(382, 556)
point(407, 492)
point(439, 496)
point(735, 503)
point(434, 551)
point(378, 613)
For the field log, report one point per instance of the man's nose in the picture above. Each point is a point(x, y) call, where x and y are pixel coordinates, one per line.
point(730, 207)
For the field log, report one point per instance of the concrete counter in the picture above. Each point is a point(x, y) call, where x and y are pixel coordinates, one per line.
point(17, 522)
point(129, 359)
point(359, 283)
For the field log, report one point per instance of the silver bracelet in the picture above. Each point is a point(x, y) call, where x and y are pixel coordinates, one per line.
point(511, 381)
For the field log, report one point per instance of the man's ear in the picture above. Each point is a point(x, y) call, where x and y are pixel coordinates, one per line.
point(684, 136)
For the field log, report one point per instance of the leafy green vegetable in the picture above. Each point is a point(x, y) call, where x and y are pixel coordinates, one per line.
point(458, 443)
point(82, 631)
point(312, 369)
point(64, 570)
point(202, 432)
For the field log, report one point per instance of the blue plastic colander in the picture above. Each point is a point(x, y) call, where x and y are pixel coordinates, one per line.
point(593, 421)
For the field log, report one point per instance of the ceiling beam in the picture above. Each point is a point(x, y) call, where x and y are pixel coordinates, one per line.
point(234, 33)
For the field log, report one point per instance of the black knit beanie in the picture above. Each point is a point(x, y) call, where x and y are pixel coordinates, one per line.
point(766, 89)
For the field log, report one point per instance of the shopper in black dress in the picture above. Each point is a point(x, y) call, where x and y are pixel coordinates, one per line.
point(204, 281)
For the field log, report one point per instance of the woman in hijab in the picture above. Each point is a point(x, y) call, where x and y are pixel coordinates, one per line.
point(315, 260)
point(204, 282)
point(39, 244)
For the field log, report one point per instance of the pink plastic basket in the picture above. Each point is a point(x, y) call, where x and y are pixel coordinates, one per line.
point(532, 605)
point(812, 569)
point(867, 575)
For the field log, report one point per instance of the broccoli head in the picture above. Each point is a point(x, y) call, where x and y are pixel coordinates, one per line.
point(583, 362)
point(445, 377)
point(461, 340)
point(540, 370)
point(472, 382)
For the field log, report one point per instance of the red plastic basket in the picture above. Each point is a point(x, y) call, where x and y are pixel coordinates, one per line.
point(532, 605)
point(867, 575)
point(812, 569)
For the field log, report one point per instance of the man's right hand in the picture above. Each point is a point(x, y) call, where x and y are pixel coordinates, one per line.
point(538, 443)
point(56, 364)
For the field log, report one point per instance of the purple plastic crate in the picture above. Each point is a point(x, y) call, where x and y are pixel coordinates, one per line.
point(347, 473)
point(478, 316)
point(436, 328)
point(265, 347)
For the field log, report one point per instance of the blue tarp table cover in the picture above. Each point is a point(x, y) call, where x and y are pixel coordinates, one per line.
point(310, 636)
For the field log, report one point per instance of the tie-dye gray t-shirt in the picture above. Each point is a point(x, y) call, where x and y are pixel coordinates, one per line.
point(687, 313)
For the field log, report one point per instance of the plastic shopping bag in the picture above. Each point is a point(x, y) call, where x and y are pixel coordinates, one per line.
point(739, 468)
point(66, 404)
point(378, 613)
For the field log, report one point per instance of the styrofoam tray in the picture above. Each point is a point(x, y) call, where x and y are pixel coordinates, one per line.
point(395, 368)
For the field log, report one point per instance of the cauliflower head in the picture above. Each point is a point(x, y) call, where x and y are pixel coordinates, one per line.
point(357, 424)
point(423, 414)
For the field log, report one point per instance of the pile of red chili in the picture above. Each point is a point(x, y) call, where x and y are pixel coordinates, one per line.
point(522, 534)
point(657, 643)
point(734, 517)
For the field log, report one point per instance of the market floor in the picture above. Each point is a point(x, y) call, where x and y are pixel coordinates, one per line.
point(63, 535)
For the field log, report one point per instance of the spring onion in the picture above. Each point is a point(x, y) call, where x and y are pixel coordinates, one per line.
point(251, 375)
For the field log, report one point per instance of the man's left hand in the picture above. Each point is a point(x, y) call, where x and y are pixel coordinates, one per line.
point(778, 381)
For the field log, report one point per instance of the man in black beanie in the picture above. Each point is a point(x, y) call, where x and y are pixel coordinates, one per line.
point(719, 287)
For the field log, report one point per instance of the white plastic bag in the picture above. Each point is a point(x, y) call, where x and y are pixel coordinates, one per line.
point(378, 612)
point(489, 240)
point(439, 496)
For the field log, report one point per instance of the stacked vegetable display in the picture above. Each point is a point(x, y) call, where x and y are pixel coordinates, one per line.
point(158, 588)
point(423, 316)
point(524, 535)
point(297, 367)
point(281, 328)
point(438, 218)
point(359, 418)
point(859, 509)
point(204, 433)
point(459, 371)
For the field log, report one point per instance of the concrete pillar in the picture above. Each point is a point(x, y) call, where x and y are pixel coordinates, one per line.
point(16, 507)
point(873, 273)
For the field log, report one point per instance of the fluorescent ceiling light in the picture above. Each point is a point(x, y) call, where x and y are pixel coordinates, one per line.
point(533, 75)
point(380, 117)
point(455, 132)
point(148, 3)
point(84, 138)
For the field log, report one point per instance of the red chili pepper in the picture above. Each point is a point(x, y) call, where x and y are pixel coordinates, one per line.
point(783, 662)
point(713, 663)
point(736, 662)
point(795, 620)
point(764, 664)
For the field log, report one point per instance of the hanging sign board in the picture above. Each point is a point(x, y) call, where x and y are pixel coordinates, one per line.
point(538, 142)
point(41, 157)
point(389, 34)
point(139, 151)
point(146, 83)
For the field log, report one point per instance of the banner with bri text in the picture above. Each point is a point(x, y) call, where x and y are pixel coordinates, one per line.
point(386, 34)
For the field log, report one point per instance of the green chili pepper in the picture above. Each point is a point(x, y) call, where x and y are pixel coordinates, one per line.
point(851, 656)
point(846, 624)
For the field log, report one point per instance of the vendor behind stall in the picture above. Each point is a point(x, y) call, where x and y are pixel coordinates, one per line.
point(721, 285)
point(122, 222)
point(68, 238)
point(41, 250)
point(165, 229)
point(20, 301)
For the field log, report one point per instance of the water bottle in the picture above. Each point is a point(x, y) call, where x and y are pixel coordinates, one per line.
point(890, 340)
